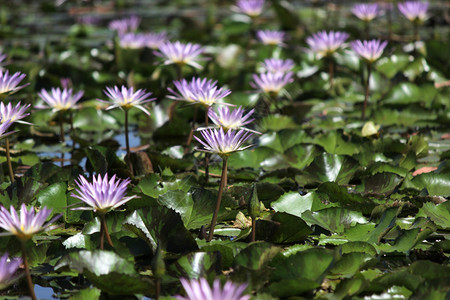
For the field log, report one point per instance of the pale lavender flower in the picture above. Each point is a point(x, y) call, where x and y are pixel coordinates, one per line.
point(200, 290)
point(231, 119)
point(367, 11)
point(10, 84)
point(59, 99)
point(271, 83)
point(180, 54)
point(369, 50)
point(326, 43)
point(252, 8)
point(127, 98)
point(13, 114)
point(102, 194)
point(125, 25)
point(132, 40)
point(271, 37)
point(8, 268)
point(154, 40)
point(28, 224)
point(276, 65)
point(223, 143)
point(415, 11)
point(200, 91)
point(4, 127)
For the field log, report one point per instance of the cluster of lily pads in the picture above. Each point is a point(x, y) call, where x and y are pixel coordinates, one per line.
point(345, 194)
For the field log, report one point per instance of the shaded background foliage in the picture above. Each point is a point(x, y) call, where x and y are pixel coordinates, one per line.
point(345, 211)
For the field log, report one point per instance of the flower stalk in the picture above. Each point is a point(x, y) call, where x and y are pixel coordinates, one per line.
point(127, 143)
point(191, 134)
point(219, 197)
point(27, 272)
point(8, 159)
point(367, 88)
point(104, 232)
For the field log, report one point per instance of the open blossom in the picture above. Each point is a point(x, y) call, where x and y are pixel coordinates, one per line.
point(4, 127)
point(366, 12)
point(181, 54)
point(13, 114)
point(102, 194)
point(125, 25)
point(252, 8)
point(201, 91)
point(271, 83)
point(132, 40)
point(154, 40)
point(200, 290)
point(60, 99)
point(326, 43)
point(275, 65)
point(28, 223)
point(8, 269)
point(231, 119)
point(127, 98)
point(369, 50)
point(415, 11)
point(271, 37)
point(10, 83)
point(223, 143)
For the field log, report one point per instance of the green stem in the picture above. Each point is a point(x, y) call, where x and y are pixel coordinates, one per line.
point(253, 230)
point(158, 288)
point(206, 154)
point(416, 35)
point(331, 72)
point(127, 143)
point(366, 29)
point(191, 134)
point(61, 135)
point(8, 159)
point(105, 230)
point(366, 94)
point(219, 199)
point(72, 131)
point(27, 272)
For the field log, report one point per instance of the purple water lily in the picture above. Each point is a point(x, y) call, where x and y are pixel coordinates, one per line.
point(4, 127)
point(367, 11)
point(200, 290)
point(271, 83)
point(271, 37)
point(201, 91)
point(60, 99)
point(231, 119)
point(14, 114)
point(154, 40)
point(132, 40)
point(8, 269)
point(10, 83)
point(223, 143)
point(28, 224)
point(127, 98)
point(415, 11)
point(252, 8)
point(276, 65)
point(125, 25)
point(102, 194)
point(326, 43)
point(180, 54)
point(369, 50)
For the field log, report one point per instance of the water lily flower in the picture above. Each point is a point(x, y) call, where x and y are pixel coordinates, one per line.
point(180, 54)
point(13, 114)
point(366, 12)
point(370, 51)
point(415, 11)
point(200, 290)
point(127, 98)
point(10, 84)
point(8, 268)
point(60, 99)
point(271, 37)
point(102, 194)
point(223, 143)
point(231, 119)
point(201, 91)
point(28, 224)
point(271, 83)
point(4, 127)
point(125, 25)
point(276, 65)
point(252, 8)
point(154, 40)
point(326, 43)
point(132, 40)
